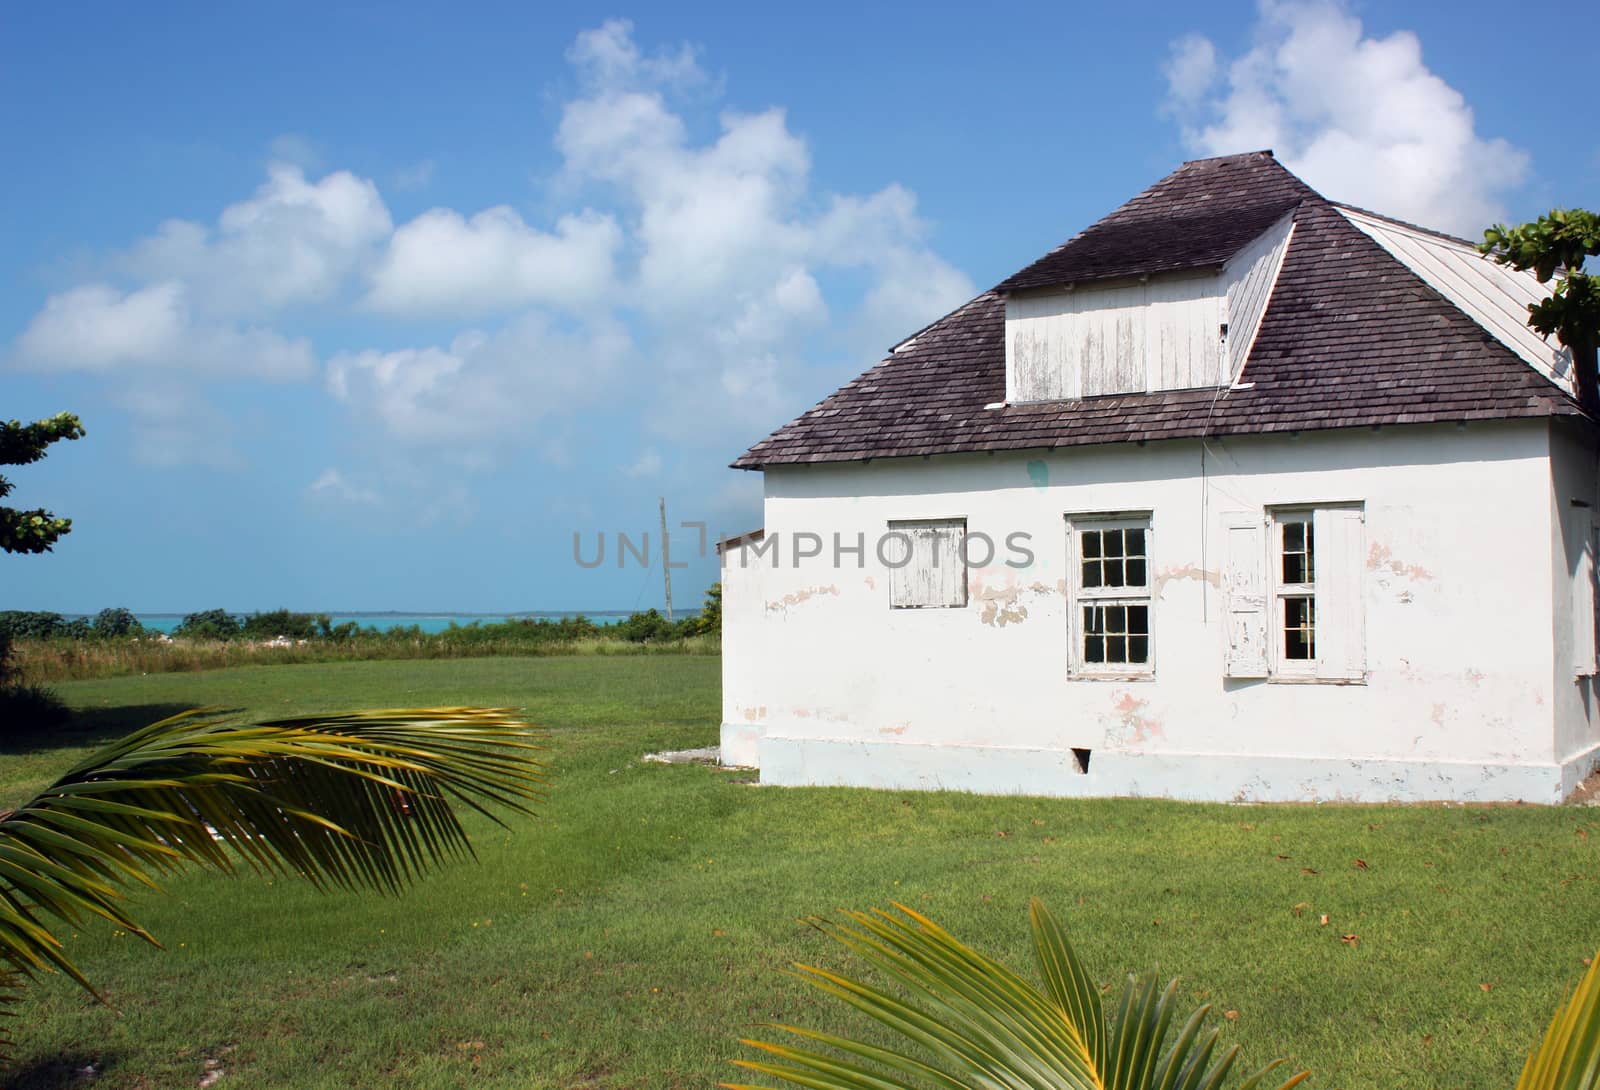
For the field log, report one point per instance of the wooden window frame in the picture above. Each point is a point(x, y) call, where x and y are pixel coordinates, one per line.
point(1135, 596)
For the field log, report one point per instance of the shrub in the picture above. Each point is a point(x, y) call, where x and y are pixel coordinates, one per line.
point(211, 624)
point(280, 622)
point(28, 708)
point(116, 623)
point(22, 624)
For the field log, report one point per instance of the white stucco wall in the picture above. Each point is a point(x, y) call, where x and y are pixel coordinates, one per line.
point(823, 683)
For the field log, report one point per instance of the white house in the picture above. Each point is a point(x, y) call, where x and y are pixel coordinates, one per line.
point(1238, 494)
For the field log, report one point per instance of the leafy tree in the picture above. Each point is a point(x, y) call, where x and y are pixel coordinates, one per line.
point(280, 622)
point(209, 624)
point(354, 800)
point(34, 531)
point(1557, 245)
point(710, 617)
point(117, 622)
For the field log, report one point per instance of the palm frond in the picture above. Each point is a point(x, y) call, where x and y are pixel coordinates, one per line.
point(355, 800)
point(973, 1024)
point(1568, 1057)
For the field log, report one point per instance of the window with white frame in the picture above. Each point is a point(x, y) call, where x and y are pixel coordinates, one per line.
point(1294, 583)
point(1110, 615)
point(932, 573)
point(1295, 593)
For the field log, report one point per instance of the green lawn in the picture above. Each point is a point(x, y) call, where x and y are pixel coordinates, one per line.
point(629, 935)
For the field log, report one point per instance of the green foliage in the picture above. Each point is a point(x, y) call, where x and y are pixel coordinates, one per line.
point(116, 623)
point(709, 620)
point(645, 627)
point(210, 624)
point(361, 800)
point(34, 531)
point(1559, 243)
point(973, 1022)
point(1568, 1056)
point(281, 622)
point(21, 624)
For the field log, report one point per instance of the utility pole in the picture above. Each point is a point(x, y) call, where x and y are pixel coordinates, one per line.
point(666, 566)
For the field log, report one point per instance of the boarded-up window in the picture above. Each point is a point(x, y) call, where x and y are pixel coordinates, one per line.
point(926, 567)
point(1111, 612)
point(1579, 532)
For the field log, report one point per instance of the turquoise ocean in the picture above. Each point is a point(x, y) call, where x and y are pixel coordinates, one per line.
point(427, 622)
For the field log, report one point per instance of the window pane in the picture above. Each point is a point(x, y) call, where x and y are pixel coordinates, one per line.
point(1139, 620)
point(1113, 542)
point(1117, 619)
point(1091, 573)
point(1094, 619)
point(1116, 649)
point(1299, 629)
point(1135, 542)
point(1294, 537)
point(1311, 552)
point(1294, 568)
point(1091, 543)
point(1135, 571)
point(1114, 576)
point(1138, 648)
point(1094, 649)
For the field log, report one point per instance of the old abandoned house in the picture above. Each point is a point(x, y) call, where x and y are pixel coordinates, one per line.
point(1238, 494)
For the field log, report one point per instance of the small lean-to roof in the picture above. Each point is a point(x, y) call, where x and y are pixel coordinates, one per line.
point(1352, 337)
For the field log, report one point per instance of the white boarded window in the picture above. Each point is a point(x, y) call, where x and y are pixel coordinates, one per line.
point(933, 574)
point(1579, 531)
point(1293, 581)
point(1110, 618)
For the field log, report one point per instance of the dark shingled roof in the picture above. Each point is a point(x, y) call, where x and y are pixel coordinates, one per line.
point(1351, 338)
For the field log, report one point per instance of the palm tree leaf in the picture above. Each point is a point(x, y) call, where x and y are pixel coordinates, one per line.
point(353, 800)
point(976, 1025)
point(1568, 1056)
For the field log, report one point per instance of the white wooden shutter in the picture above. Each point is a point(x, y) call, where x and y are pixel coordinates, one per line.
point(935, 577)
point(1244, 580)
point(1578, 528)
point(1340, 617)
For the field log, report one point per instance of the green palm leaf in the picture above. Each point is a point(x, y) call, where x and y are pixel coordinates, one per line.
point(1568, 1058)
point(972, 1024)
point(354, 800)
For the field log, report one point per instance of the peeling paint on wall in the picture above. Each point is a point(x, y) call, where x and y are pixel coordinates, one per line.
point(800, 596)
point(896, 730)
point(753, 713)
point(1039, 474)
point(1134, 726)
point(1002, 605)
point(1184, 573)
point(1380, 558)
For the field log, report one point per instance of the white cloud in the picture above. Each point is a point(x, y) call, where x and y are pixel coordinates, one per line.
point(97, 328)
point(483, 388)
point(294, 242)
point(1362, 119)
point(732, 239)
point(332, 487)
point(441, 263)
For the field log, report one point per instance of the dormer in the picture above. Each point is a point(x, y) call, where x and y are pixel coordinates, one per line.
point(1161, 329)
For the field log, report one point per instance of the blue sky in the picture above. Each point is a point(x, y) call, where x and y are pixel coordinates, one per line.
point(375, 307)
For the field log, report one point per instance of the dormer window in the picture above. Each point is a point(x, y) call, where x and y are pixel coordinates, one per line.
point(1167, 331)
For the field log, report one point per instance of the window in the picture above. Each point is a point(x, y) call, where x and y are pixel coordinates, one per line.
point(1580, 529)
point(1294, 580)
point(1111, 607)
point(1295, 608)
point(933, 574)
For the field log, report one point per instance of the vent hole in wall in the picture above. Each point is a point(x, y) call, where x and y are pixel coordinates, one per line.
point(1082, 757)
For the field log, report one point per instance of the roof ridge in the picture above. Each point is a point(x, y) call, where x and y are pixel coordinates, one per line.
point(1398, 222)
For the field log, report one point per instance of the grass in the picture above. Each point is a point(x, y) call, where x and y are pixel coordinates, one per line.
point(628, 936)
point(60, 659)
